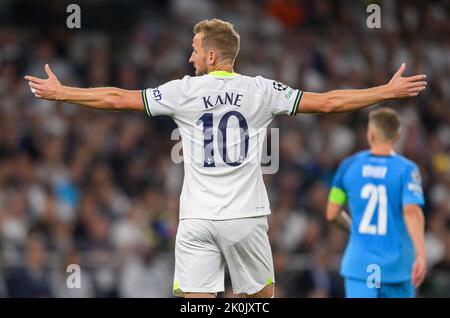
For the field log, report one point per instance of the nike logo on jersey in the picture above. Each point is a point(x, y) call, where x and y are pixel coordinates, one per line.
point(223, 99)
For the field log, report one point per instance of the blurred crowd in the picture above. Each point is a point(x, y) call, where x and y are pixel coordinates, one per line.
point(99, 189)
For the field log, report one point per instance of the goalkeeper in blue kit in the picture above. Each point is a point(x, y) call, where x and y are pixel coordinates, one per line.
point(385, 254)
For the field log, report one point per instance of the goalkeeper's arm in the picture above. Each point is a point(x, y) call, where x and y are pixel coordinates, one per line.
point(338, 217)
point(105, 98)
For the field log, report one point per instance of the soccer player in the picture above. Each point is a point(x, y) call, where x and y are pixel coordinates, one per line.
point(223, 203)
point(385, 255)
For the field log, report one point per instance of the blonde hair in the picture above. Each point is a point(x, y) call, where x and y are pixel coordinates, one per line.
point(386, 122)
point(220, 35)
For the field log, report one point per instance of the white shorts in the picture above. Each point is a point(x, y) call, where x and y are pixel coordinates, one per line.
point(203, 247)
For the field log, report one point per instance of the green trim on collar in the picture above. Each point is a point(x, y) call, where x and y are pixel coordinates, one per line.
point(222, 73)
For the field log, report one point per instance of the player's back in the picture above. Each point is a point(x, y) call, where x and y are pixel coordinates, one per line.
point(222, 119)
point(377, 189)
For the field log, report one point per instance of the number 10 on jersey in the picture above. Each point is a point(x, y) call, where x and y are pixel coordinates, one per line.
point(208, 138)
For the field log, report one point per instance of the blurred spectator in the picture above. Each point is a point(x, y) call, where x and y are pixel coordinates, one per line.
point(31, 280)
point(60, 275)
point(146, 274)
point(320, 279)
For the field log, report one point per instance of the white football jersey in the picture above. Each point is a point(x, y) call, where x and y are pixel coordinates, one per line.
point(222, 119)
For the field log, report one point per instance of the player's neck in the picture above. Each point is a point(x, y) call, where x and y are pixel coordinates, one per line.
point(382, 149)
point(221, 67)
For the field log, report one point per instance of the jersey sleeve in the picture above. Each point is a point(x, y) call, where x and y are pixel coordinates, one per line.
point(164, 99)
point(337, 193)
point(412, 187)
point(281, 99)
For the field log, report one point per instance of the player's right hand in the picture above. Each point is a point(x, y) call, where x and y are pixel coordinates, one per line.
point(400, 87)
point(49, 88)
point(419, 270)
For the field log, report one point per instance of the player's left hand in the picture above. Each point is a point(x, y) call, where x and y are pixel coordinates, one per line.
point(45, 88)
point(419, 270)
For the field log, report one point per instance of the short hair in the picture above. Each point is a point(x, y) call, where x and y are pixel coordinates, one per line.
point(220, 35)
point(386, 122)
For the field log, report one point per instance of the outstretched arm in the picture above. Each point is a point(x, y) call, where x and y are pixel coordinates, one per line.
point(106, 98)
point(339, 101)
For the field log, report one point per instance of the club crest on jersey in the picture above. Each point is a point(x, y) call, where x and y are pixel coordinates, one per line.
point(279, 86)
point(415, 176)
